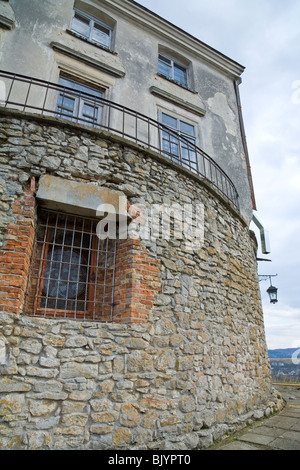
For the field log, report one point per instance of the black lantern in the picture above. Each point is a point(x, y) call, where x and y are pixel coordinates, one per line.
point(272, 291)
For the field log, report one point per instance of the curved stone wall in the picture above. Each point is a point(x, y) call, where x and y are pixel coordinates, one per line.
point(193, 367)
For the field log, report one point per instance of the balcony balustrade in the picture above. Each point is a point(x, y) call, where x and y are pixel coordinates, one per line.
point(28, 94)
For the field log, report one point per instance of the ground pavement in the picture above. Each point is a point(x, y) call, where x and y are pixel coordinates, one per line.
point(280, 432)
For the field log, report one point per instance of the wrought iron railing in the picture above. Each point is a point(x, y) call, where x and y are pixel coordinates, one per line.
point(49, 99)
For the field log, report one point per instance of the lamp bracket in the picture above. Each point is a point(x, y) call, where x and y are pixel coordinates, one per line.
point(264, 277)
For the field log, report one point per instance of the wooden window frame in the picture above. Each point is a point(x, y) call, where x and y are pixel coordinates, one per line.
point(80, 99)
point(163, 58)
point(183, 145)
point(92, 22)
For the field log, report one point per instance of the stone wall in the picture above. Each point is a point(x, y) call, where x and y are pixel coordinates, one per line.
point(194, 369)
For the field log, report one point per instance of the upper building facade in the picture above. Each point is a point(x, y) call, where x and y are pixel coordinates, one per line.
point(121, 52)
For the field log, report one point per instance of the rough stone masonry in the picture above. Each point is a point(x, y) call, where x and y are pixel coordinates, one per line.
point(192, 368)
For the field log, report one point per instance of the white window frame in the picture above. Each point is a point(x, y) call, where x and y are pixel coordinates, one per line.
point(92, 22)
point(172, 64)
point(180, 157)
point(79, 102)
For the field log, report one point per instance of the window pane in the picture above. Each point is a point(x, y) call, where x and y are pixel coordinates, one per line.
point(66, 103)
point(67, 83)
point(89, 112)
point(101, 35)
point(65, 106)
point(170, 144)
point(169, 120)
point(188, 152)
point(188, 155)
point(174, 149)
point(193, 159)
point(81, 25)
point(165, 66)
point(187, 128)
point(180, 74)
point(77, 106)
point(64, 267)
point(80, 88)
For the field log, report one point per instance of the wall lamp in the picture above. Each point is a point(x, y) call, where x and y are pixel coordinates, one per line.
point(272, 290)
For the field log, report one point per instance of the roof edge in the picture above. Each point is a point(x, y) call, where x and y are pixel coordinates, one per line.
point(188, 41)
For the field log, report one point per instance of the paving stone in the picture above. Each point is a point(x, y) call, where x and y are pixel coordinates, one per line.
point(282, 422)
point(280, 432)
point(237, 445)
point(256, 438)
point(292, 435)
point(292, 413)
point(285, 444)
point(268, 431)
point(296, 426)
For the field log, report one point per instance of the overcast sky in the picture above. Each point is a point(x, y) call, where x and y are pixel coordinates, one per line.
point(264, 36)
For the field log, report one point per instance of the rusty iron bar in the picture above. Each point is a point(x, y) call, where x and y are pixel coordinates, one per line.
point(72, 271)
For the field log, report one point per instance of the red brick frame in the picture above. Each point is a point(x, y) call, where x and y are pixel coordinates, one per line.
point(137, 280)
point(15, 255)
point(137, 276)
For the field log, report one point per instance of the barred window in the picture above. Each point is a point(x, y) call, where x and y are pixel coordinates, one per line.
point(72, 271)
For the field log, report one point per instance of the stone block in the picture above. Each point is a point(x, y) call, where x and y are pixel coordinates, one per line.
point(74, 369)
point(12, 403)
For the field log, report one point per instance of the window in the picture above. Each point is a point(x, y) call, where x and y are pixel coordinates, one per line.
point(72, 272)
point(76, 105)
point(180, 145)
point(91, 29)
point(172, 70)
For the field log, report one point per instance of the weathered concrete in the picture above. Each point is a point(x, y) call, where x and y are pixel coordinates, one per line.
point(42, 46)
point(80, 198)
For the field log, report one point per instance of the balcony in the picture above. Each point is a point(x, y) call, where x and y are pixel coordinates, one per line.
point(27, 94)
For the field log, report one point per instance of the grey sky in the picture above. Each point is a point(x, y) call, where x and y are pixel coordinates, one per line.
point(264, 36)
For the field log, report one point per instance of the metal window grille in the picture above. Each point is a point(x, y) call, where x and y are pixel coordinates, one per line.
point(72, 270)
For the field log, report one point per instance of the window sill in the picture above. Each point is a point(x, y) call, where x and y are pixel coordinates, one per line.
point(82, 38)
point(177, 83)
